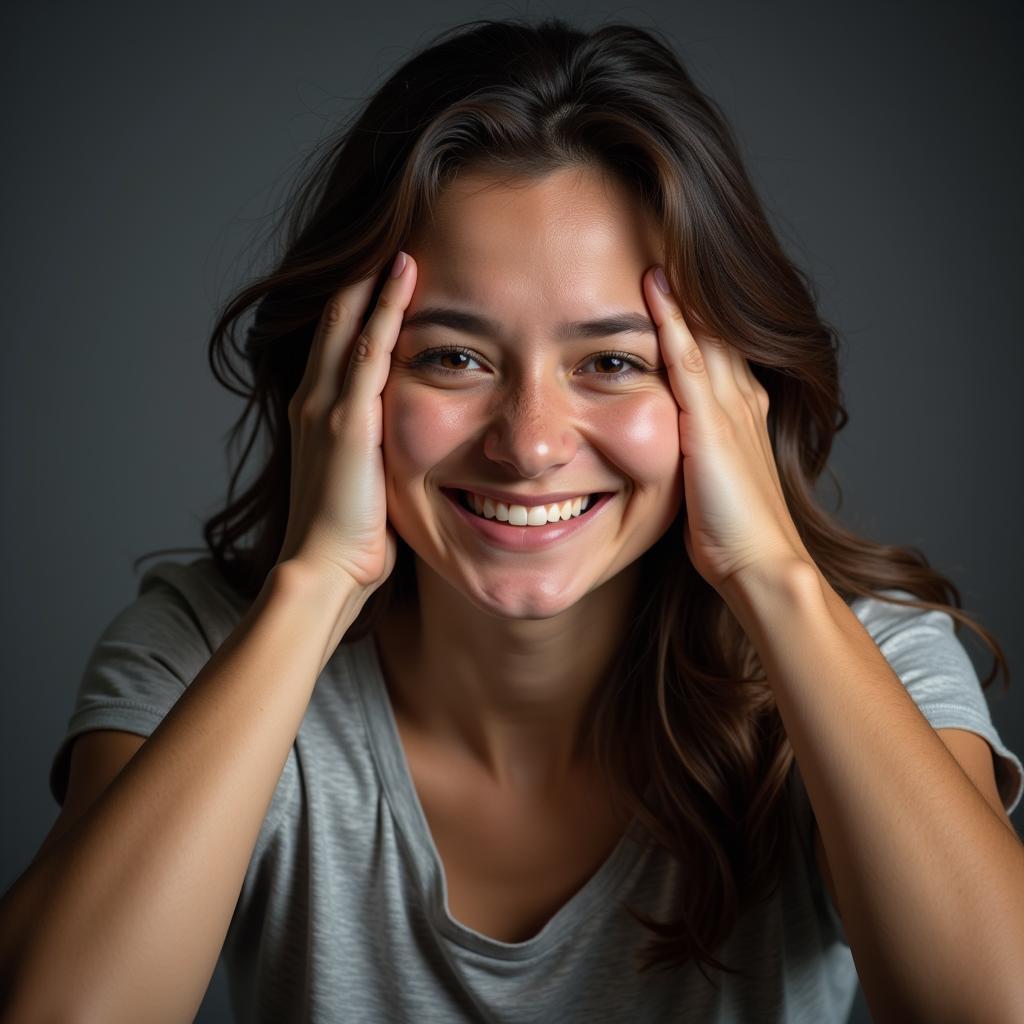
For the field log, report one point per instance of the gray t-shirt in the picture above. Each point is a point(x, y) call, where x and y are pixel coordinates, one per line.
point(342, 915)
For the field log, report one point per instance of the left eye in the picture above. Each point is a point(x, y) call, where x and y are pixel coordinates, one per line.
point(428, 358)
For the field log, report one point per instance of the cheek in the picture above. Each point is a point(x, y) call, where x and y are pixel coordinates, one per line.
point(419, 431)
point(642, 435)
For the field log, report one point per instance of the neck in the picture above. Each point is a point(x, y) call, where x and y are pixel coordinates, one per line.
point(510, 696)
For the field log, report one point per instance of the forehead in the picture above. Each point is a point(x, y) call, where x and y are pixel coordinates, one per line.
point(572, 234)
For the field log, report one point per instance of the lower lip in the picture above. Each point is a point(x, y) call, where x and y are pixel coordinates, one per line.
point(527, 538)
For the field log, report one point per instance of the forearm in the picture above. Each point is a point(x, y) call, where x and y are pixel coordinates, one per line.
point(930, 882)
point(123, 920)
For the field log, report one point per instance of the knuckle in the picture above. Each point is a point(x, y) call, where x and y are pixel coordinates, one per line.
point(302, 414)
point(750, 414)
point(691, 360)
point(335, 311)
point(363, 348)
point(759, 393)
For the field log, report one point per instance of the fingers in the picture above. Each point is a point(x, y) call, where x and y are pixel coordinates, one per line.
point(338, 322)
point(335, 340)
point(712, 380)
point(370, 358)
point(739, 369)
point(695, 373)
point(753, 391)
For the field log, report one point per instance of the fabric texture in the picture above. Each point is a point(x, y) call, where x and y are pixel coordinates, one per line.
point(342, 915)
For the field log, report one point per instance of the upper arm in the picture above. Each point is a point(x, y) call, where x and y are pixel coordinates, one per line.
point(823, 868)
point(974, 755)
point(97, 758)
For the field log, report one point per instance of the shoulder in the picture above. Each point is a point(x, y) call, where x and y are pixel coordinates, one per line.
point(920, 644)
point(185, 602)
point(887, 614)
point(199, 583)
point(923, 649)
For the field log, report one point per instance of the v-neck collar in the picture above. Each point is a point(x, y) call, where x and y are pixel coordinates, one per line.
point(400, 791)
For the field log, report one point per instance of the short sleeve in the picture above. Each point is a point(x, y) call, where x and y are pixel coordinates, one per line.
point(145, 658)
point(924, 651)
point(922, 648)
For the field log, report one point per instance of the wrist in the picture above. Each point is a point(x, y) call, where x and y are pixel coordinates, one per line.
point(326, 589)
point(762, 596)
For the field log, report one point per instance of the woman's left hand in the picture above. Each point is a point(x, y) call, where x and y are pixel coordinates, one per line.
point(737, 521)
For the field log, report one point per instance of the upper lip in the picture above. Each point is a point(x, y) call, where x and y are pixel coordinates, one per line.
point(528, 500)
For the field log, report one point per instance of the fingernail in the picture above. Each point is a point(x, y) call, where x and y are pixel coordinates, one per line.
point(399, 265)
point(661, 280)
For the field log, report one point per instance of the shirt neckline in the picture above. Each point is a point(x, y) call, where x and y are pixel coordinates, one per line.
point(400, 792)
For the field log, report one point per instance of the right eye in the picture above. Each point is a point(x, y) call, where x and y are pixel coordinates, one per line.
point(427, 357)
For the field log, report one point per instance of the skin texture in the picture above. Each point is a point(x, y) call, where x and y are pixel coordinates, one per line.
point(494, 667)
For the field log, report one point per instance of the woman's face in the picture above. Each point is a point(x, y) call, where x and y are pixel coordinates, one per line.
point(528, 410)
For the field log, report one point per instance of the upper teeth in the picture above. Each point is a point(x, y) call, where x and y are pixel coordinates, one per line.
point(523, 515)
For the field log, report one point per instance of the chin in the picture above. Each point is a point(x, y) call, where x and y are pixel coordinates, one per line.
point(526, 606)
point(518, 595)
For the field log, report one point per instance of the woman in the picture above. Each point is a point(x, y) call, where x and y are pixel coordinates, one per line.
point(542, 667)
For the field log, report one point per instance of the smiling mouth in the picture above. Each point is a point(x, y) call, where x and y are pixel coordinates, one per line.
point(462, 497)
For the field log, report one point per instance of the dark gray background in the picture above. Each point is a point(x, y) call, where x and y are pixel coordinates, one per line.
point(146, 148)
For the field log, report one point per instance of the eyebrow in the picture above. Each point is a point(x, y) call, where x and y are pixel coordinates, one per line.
point(623, 322)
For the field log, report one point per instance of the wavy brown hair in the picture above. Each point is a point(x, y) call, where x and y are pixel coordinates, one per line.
point(520, 100)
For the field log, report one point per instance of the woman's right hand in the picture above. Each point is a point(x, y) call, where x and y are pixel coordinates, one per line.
point(337, 516)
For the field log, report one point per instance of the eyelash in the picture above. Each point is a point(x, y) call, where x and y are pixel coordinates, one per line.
point(425, 359)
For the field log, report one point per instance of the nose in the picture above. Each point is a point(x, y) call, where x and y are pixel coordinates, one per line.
point(530, 430)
